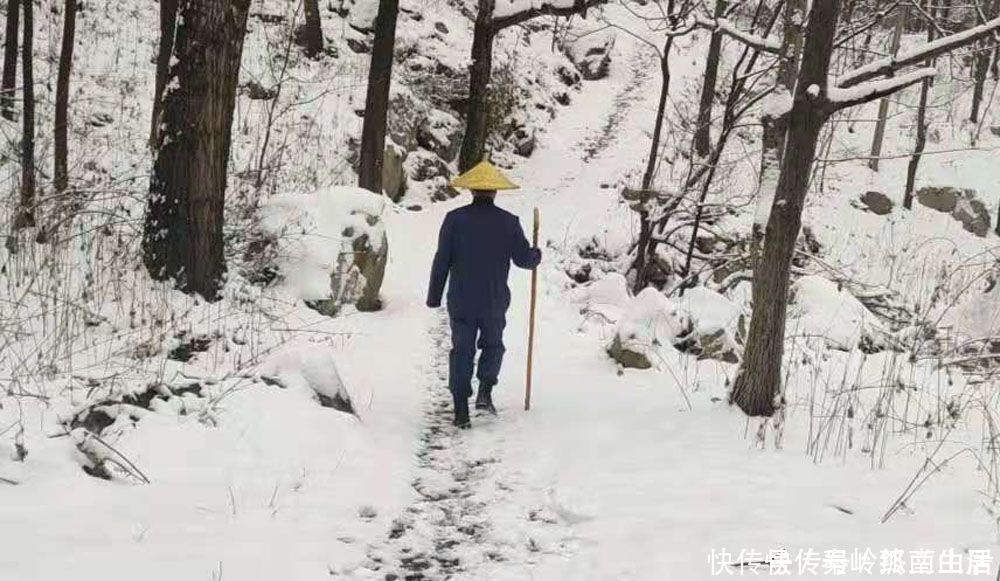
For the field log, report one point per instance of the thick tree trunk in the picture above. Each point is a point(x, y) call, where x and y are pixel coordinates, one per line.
point(184, 219)
point(26, 211)
point(377, 100)
point(9, 86)
point(757, 388)
point(883, 106)
point(702, 133)
point(61, 171)
point(775, 128)
point(168, 26)
point(311, 36)
point(476, 122)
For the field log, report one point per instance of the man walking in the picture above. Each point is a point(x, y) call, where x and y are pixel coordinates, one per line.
point(476, 245)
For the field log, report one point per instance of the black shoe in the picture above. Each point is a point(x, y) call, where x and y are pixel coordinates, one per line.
point(462, 414)
point(484, 399)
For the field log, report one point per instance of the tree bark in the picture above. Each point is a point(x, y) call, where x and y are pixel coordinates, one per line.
point(26, 211)
point(775, 128)
point(921, 143)
point(757, 388)
point(9, 86)
point(168, 26)
point(377, 100)
point(981, 66)
point(702, 133)
point(183, 231)
point(883, 106)
point(61, 170)
point(645, 226)
point(474, 141)
point(312, 32)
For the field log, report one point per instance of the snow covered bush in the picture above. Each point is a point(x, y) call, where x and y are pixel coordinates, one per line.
point(650, 322)
point(329, 247)
point(821, 309)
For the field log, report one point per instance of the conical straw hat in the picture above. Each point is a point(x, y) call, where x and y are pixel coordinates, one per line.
point(484, 176)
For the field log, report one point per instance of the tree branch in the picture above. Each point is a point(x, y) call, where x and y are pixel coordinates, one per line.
point(547, 8)
point(871, 91)
point(725, 26)
point(930, 50)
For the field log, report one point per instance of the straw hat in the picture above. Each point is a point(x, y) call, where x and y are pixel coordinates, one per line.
point(484, 176)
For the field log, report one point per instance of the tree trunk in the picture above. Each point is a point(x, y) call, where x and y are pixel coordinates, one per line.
point(9, 86)
point(883, 106)
point(775, 128)
point(981, 67)
point(918, 148)
point(168, 25)
point(377, 100)
point(757, 388)
point(311, 37)
point(702, 133)
point(183, 232)
point(26, 211)
point(61, 171)
point(476, 122)
point(645, 226)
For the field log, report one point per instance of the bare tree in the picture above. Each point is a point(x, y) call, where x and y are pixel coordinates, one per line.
point(921, 140)
point(981, 64)
point(311, 35)
point(757, 388)
point(168, 26)
point(488, 24)
point(702, 137)
point(10, 60)
point(883, 105)
point(377, 99)
point(61, 170)
point(26, 211)
point(184, 219)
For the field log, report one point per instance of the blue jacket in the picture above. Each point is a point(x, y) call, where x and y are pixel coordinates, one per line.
point(476, 245)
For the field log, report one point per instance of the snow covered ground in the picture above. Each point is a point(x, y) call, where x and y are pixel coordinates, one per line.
point(613, 475)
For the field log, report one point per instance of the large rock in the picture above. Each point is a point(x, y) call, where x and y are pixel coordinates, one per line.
point(940, 199)
point(394, 180)
point(591, 53)
point(440, 133)
point(628, 357)
point(973, 214)
point(424, 165)
point(877, 203)
point(329, 248)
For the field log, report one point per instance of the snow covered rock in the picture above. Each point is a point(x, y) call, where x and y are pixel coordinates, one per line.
point(821, 309)
point(714, 322)
point(590, 51)
point(972, 213)
point(877, 203)
point(394, 179)
point(331, 246)
point(311, 369)
point(651, 321)
point(940, 199)
point(606, 298)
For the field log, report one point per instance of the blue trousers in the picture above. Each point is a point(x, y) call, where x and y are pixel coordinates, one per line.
point(464, 333)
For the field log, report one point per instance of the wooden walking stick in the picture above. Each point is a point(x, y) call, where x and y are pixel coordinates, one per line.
point(531, 318)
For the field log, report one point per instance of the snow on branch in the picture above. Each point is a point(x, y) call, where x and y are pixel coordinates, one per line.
point(930, 50)
point(726, 26)
point(872, 90)
point(509, 13)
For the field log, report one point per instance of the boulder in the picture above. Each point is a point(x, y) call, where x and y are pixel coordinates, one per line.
point(405, 119)
point(440, 133)
point(370, 258)
point(973, 214)
point(424, 165)
point(394, 180)
point(590, 51)
point(877, 203)
point(940, 199)
point(626, 356)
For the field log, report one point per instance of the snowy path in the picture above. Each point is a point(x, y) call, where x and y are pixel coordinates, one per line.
point(448, 532)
